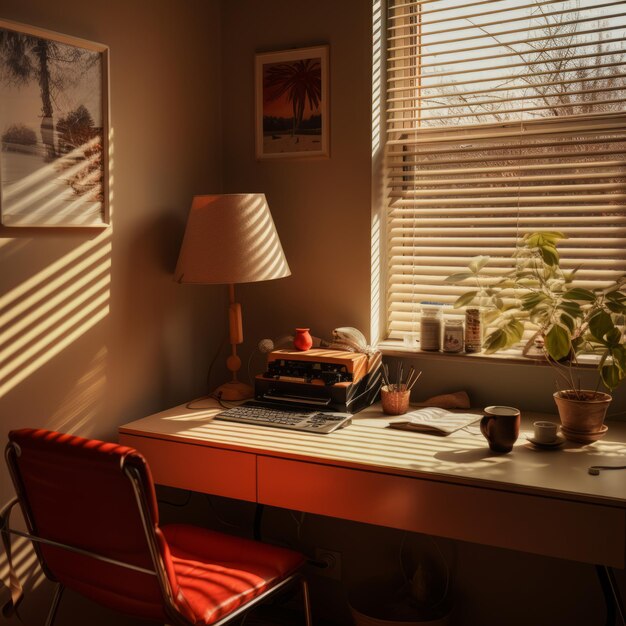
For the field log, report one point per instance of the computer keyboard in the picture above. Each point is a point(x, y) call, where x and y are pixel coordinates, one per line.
point(294, 419)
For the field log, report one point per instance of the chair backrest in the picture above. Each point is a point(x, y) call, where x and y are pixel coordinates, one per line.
point(80, 492)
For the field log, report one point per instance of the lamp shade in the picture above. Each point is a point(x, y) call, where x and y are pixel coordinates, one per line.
point(230, 238)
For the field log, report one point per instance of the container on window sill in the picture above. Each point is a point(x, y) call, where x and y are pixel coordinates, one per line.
point(473, 331)
point(453, 336)
point(430, 326)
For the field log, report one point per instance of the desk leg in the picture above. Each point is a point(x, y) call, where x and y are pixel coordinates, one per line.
point(612, 597)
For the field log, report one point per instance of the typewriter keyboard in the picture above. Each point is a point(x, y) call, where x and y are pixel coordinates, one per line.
point(295, 419)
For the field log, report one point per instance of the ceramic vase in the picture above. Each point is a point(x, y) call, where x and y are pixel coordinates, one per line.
point(303, 340)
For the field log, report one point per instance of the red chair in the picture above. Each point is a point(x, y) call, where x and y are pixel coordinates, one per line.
point(91, 513)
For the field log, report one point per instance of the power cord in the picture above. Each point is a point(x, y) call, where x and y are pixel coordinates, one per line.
point(177, 504)
point(189, 405)
point(219, 518)
point(298, 522)
point(594, 470)
point(194, 406)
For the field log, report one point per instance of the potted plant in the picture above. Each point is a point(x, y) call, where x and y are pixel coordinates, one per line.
point(569, 321)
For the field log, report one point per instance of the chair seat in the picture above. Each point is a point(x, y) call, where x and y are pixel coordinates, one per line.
point(218, 573)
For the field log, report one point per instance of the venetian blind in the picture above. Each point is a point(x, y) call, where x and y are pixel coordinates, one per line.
point(503, 117)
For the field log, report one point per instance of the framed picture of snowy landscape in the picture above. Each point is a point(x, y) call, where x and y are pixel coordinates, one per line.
point(292, 103)
point(53, 129)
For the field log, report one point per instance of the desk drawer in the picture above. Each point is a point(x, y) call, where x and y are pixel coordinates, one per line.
point(199, 468)
point(541, 525)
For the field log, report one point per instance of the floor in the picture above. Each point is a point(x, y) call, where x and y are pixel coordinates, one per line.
point(279, 616)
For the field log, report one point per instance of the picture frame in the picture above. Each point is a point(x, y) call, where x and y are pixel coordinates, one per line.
point(292, 103)
point(54, 129)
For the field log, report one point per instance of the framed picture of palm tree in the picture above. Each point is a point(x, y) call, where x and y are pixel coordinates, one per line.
point(54, 126)
point(292, 114)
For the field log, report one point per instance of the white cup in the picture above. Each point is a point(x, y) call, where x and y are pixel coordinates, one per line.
point(545, 432)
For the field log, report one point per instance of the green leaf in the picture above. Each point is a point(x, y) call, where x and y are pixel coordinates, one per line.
point(600, 324)
point(569, 276)
point(457, 278)
point(465, 299)
point(477, 263)
point(490, 316)
point(615, 307)
point(580, 294)
point(558, 342)
point(531, 240)
point(610, 375)
point(495, 341)
point(603, 358)
point(531, 300)
point(577, 344)
point(572, 308)
point(514, 331)
point(566, 320)
point(613, 337)
point(528, 282)
point(551, 237)
point(549, 255)
point(616, 296)
point(618, 353)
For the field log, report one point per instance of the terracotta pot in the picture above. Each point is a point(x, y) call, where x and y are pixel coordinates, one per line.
point(582, 416)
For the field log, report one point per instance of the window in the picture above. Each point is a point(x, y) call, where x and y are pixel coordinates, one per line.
point(503, 117)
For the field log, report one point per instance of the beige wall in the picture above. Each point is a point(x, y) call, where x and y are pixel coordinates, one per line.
point(321, 207)
point(148, 341)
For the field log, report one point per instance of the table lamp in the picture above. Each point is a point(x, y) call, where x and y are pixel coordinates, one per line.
point(230, 239)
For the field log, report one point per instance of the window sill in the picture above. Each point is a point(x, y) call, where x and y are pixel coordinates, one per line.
point(396, 348)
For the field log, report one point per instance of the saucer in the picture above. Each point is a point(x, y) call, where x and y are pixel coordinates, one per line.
point(550, 445)
point(582, 437)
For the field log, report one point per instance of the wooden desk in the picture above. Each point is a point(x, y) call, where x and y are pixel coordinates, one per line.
point(536, 501)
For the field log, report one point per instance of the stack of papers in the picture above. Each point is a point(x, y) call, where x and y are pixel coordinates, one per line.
point(434, 421)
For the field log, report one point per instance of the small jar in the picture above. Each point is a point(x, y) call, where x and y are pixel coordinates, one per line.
point(473, 331)
point(430, 326)
point(453, 336)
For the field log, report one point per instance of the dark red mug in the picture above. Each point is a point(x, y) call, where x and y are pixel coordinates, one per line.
point(500, 426)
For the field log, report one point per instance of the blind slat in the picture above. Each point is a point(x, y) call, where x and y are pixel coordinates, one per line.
point(398, 76)
point(422, 173)
point(448, 42)
point(418, 56)
point(393, 27)
point(415, 69)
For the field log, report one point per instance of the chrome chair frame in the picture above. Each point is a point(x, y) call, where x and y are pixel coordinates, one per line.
point(133, 474)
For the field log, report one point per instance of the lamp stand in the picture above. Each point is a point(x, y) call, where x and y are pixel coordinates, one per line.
point(234, 389)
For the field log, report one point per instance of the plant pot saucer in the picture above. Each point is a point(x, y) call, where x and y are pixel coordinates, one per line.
point(582, 436)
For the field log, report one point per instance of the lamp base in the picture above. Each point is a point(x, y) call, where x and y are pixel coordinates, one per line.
point(234, 390)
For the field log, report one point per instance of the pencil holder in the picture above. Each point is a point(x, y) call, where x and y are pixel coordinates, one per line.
point(394, 402)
